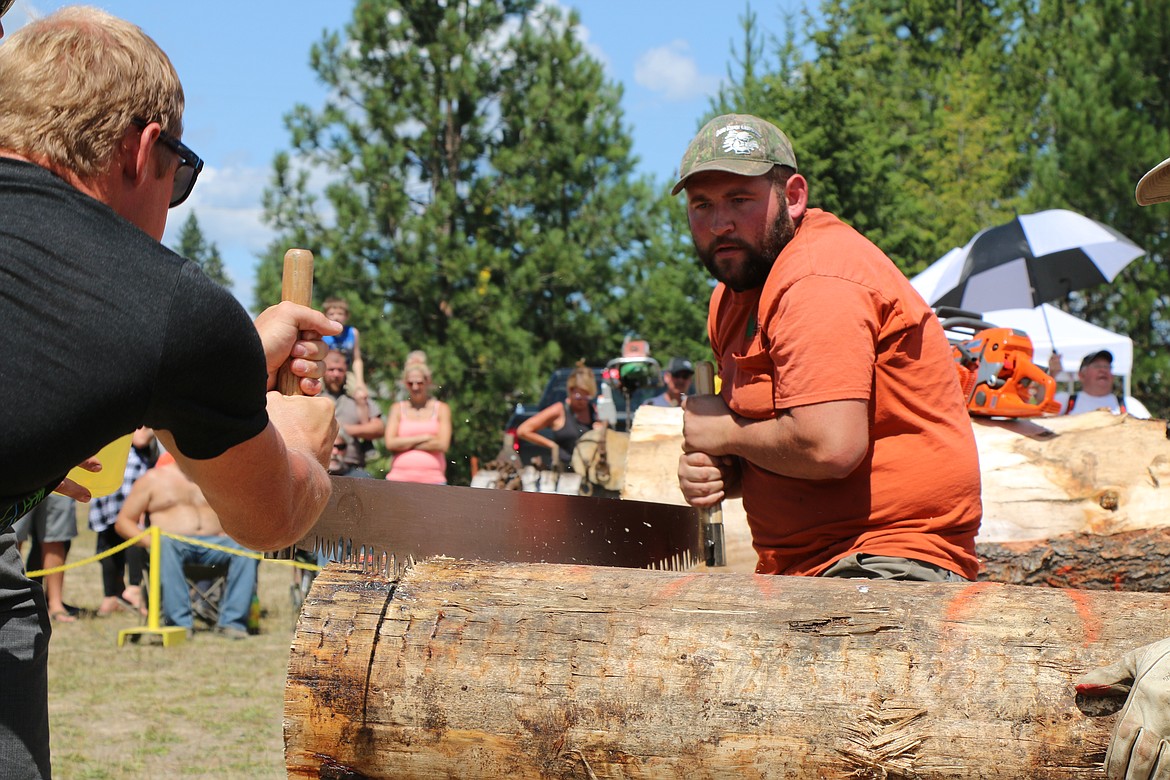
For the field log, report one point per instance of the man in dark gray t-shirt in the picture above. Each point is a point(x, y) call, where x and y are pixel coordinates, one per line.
point(116, 331)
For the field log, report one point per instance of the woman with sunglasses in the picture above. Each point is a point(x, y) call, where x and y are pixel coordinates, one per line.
point(418, 432)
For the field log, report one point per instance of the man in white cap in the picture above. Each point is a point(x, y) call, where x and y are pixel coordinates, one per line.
point(1140, 747)
point(839, 420)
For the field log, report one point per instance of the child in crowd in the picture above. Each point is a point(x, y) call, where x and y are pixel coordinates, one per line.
point(348, 342)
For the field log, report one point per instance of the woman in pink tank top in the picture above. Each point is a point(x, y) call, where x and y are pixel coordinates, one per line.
point(418, 431)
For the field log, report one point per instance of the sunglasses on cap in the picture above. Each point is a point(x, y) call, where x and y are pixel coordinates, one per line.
point(189, 163)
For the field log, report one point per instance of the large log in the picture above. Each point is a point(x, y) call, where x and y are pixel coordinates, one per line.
point(1080, 501)
point(478, 670)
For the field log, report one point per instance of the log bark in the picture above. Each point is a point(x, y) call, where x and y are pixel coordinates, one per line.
point(1080, 501)
point(478, 670)
point(1134, 560)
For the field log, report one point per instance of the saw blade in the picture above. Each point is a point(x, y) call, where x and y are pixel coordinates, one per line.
point(385, 526)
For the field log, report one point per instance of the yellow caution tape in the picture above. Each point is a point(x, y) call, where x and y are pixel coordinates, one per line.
point(118, 548)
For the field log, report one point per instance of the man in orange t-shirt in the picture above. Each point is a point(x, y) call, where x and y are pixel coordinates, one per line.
point(840, 420)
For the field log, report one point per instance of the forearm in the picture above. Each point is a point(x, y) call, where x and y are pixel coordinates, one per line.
point(283, 509)
point(404, 443)
point(367, 431)
point(127, 527)
point(819, 441)
point(532, 437)
point(266, 494)
point(775, 445)
point(783, 446)
point(432, 444)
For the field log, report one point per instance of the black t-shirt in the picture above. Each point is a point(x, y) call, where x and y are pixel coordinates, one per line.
point(107, 330)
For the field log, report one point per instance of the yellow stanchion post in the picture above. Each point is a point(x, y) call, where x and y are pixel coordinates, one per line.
point(171, 635)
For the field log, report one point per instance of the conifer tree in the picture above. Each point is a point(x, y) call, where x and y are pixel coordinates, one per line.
point(194, 246)
point(479, 199)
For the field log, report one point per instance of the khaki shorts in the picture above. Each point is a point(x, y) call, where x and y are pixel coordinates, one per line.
point(884, 567)
point(52, 520)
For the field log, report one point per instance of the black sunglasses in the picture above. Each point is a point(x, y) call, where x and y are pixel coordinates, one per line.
point(5, 5)
point(189, 164)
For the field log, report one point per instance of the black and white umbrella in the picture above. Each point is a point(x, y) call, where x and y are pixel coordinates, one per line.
point(1023, 263)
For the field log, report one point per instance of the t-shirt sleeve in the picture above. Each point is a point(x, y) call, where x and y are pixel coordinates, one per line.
point(210, 392)
point(1136, 408)
point(823, 338)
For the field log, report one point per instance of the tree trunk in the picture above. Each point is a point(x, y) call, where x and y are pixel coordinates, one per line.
point(1080, 501)
point(484, 670)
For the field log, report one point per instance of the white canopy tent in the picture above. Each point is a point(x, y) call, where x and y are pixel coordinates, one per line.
point(1073, 338)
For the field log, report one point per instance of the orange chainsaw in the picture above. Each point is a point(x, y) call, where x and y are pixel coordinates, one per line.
point(996, 370)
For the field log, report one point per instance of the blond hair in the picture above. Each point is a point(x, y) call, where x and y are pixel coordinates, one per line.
point(71, 84)
point(581, 378)
point(416, 361)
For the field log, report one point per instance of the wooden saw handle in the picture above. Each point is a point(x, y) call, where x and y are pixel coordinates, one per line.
point(296, 285)
point(712, 517)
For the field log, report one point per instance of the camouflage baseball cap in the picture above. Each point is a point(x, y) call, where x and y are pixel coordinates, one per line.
point(736, 143)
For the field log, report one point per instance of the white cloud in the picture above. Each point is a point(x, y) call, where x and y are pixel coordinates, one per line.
point(583, 34)
point(227, 203)
point(671, 71)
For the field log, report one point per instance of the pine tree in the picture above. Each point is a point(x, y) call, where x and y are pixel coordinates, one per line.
point(194, 246)
point(481, 203)
point(922, 123)
point(899, 118)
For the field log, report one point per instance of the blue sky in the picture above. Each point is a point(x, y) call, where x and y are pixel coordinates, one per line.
point(244, 65)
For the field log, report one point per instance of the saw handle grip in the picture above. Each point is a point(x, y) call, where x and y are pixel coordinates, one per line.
point(296, 285)
point(711, 517)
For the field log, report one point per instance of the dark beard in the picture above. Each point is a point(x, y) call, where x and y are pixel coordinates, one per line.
point(753, 271)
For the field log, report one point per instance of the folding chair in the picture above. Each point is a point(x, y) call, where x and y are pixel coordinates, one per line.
point(205, 587)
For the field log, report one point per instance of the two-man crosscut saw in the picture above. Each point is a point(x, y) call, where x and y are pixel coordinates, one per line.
point(388, 525)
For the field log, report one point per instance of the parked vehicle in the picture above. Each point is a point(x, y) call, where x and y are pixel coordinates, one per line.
point(643, 381)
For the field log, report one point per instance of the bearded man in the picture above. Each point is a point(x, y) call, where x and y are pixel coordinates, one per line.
point(840, 420)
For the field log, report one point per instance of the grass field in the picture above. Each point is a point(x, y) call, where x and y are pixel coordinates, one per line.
point(208, 708)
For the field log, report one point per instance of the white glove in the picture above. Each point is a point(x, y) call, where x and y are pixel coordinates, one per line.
point(1140, 749)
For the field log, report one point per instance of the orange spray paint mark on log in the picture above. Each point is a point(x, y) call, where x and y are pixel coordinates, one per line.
point(961, 604)
point(1090, 623)
point(768, 585)
point(958, 609)
point(675, 587)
